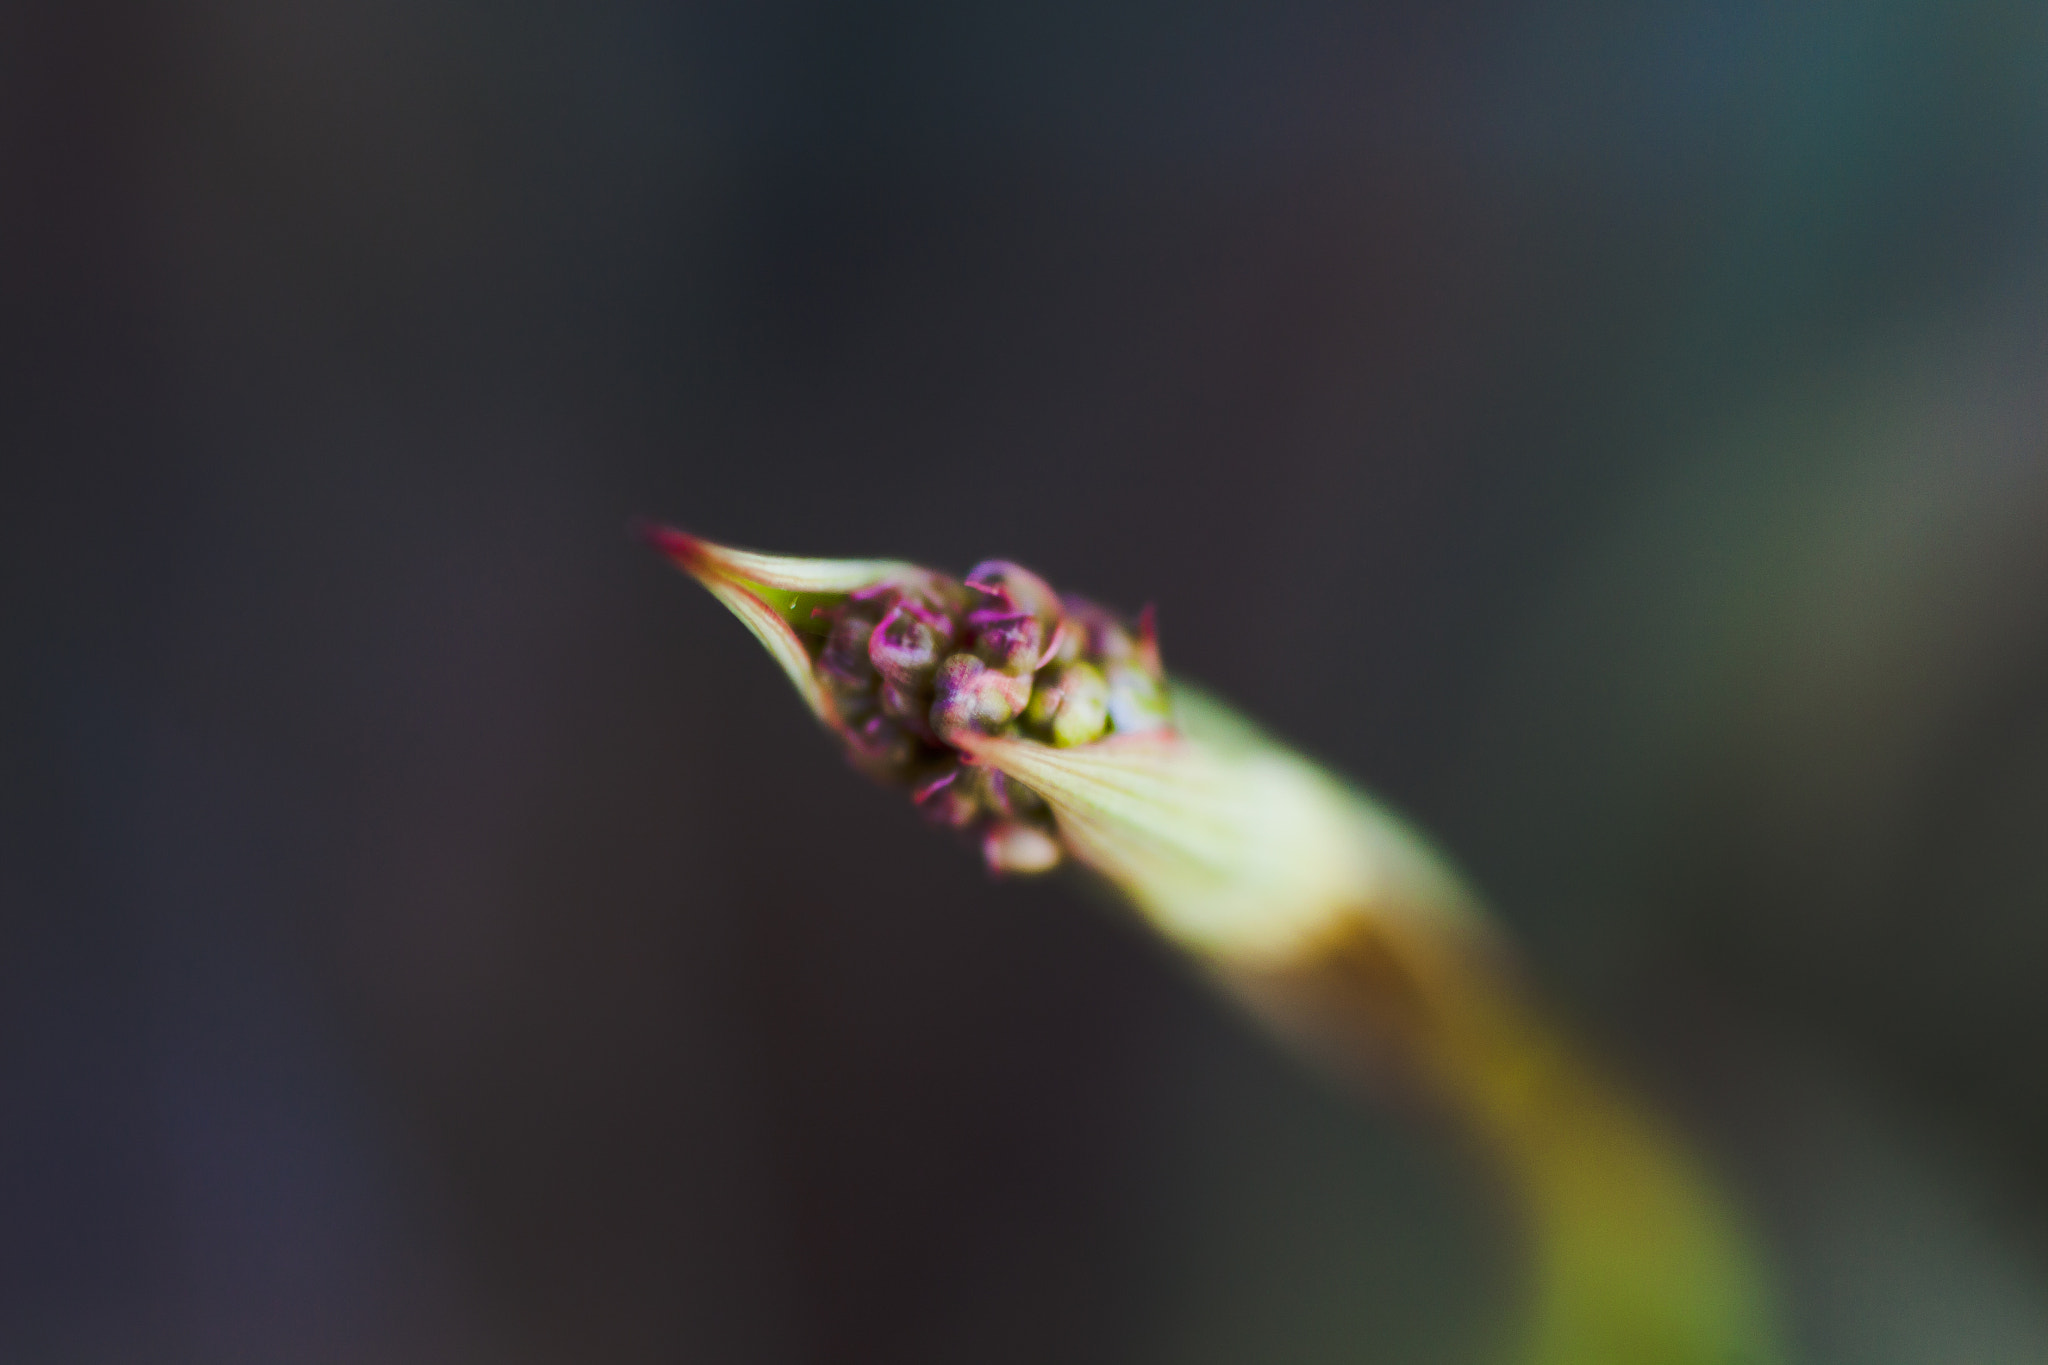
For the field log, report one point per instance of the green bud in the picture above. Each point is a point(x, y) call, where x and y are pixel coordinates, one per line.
point(1100, 636)
point(969, 695)
point(1072, 702)
point(1136, 703)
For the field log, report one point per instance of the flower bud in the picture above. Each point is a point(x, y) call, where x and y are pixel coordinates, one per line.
point(1100, 635)
point(844, 663)
point(968, 695)
point(1014, 588)
point(909, 708)
point(907, 646)
point(1137, 703)
point(932, 594)
point(881, 747)
point(1148, 644)
point(854, 707)
point(952, 799)
point(1072, 702)
point(1020, 848)
point(1011, 643)
point(1009, 798)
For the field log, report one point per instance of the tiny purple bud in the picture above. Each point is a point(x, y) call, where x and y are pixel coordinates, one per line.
point(909, 708)
point(1011, 643)
point(844, 660)
point(933, 594)
point(969, 695)
point(952, 800)
point(908, 645)
point(1013, 588)
point(881, 747)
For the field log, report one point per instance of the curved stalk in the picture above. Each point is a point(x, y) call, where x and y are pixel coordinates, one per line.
point(1329, 918)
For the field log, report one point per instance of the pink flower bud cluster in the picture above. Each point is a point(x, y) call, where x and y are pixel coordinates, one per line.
point(914, 663)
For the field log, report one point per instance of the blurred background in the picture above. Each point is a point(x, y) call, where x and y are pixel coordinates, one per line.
point(430, 931)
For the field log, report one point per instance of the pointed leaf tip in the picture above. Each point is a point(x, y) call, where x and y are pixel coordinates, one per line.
point(686, 550)
point(783, 573)
point(747, 596)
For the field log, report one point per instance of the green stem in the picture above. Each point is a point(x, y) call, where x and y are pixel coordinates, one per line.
point(1336, 924)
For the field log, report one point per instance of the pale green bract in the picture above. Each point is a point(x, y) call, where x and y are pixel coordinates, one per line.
point(1224, 838)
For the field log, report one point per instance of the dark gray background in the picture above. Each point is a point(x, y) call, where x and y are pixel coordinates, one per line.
point(430, 932)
